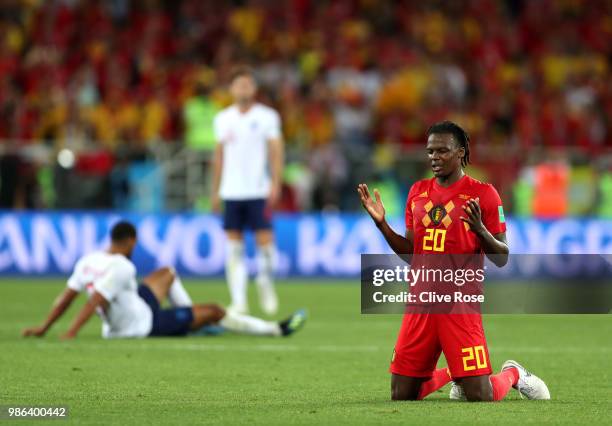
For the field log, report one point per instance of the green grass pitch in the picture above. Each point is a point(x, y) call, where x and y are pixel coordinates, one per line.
point(332, 372)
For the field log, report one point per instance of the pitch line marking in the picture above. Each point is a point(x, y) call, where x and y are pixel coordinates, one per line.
point(217, 347)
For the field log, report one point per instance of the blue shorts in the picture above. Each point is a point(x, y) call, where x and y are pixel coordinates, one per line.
point(166, 322)
point(247, 214)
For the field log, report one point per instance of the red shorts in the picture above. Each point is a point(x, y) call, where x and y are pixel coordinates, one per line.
point(423, 337)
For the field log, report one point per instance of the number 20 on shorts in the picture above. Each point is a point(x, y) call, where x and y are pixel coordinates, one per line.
point(434, 239)
point(475, 358)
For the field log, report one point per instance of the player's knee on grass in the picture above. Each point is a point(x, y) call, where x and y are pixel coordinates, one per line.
point(206, 314)
point(405, 388)
point(477, 388)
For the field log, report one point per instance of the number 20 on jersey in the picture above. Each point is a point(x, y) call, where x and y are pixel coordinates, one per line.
point(434, 239)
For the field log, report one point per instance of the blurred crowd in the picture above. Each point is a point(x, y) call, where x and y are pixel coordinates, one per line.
point(357, 83)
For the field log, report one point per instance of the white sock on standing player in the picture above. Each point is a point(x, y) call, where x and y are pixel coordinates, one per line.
point(177, 295)
point(265, 273)
point(249, 325)
point(236, 275)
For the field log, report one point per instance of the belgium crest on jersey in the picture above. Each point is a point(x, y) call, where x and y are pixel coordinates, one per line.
point(436, 214)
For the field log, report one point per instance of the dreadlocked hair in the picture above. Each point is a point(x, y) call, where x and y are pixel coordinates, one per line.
point(460, 135)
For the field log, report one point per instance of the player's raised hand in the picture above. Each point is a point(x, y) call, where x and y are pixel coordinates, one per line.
point(375, 208)
point(474, 215)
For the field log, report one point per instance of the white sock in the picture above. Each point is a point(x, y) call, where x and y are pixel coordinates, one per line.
point(236, 273)
point(245, 324)
point(265, 272)
point(266, 256)
point(177, 295)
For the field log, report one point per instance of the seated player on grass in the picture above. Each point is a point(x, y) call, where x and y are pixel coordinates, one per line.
point(131, 310)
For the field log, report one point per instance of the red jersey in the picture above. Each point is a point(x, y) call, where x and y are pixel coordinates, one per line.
point(433, 214)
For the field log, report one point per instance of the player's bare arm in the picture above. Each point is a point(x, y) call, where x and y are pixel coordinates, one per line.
point(216, 177)
point(61, 304)
point(375, 208)
point(494, 246)
point(277, 160)
point(85, 314)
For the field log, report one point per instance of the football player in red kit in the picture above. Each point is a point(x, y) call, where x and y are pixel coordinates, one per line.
point(450, 213)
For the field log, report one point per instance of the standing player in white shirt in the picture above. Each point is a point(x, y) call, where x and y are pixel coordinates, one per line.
point(131, 310)
point(247, 173)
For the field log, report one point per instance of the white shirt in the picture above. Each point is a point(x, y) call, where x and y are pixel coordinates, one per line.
point(245, 138)
point(114, 277)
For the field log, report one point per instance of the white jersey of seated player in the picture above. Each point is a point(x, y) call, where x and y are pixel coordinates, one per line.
point(114, 277)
